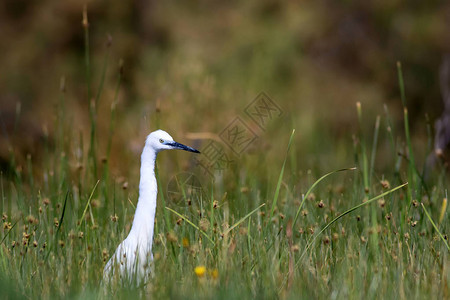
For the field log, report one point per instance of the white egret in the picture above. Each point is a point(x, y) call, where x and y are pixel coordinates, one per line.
point(133, 256)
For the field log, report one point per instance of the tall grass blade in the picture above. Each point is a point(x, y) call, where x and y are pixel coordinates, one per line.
point(365, 166)
point(92, 102)
point(401, 83)
point(85, 24)
point(280, 178)
point(374, 148)
point(104, 68)
point(313, 186)
point(61, 219)
point(435, 227)
point(412, 168)
point(113, 112)
point(374, 241)
point(243, 219)
point(63, 212)
point(87, 205)
point(3, 239)
point(192, 224)
point(389, 128)
point(346, 213)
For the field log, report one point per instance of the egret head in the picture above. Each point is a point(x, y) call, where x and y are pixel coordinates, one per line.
point(160, 140)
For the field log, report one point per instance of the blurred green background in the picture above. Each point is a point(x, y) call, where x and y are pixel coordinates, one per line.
point(201, 62)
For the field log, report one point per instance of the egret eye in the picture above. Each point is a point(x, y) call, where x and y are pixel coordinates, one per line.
point(161, 141)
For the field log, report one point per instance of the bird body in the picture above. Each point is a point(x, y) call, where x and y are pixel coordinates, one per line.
point(133, 256)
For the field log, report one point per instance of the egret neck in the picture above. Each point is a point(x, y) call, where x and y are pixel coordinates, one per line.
point(144, 219)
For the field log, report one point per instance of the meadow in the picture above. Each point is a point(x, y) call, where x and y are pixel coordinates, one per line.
point(297, 210)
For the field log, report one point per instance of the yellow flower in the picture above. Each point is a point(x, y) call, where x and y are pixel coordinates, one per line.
point(214, 273)
point(200, 271)
point(185, 242)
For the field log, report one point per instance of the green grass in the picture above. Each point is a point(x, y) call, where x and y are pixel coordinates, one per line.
point(57, 236)
point(260, 232)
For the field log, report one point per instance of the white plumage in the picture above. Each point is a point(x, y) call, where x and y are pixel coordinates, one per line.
point(133, 256)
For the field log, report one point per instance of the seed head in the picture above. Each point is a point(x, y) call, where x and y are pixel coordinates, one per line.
point(32, 220)
point(295, 248)
point(321, 204)
point(243, 231)
point(204, 224)
point(385, 184)
point(335, 236)
point(114, 218)
point(95, 203)
point(171, 237)
point(245, 189)
point(105, 254)
point(85, 21)
point(388, 216)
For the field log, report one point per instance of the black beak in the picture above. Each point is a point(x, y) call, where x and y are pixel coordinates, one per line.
point(183, 147)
